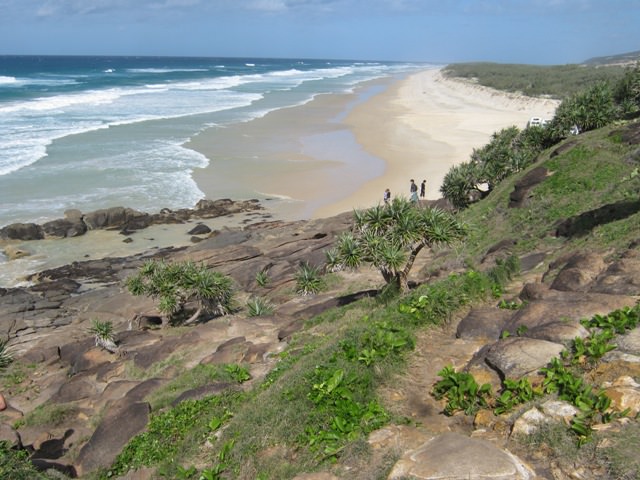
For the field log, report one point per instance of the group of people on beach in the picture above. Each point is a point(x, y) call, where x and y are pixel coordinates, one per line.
point(413, 192)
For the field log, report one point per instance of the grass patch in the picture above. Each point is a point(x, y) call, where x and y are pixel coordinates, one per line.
point(51, 415)
point(198, 376)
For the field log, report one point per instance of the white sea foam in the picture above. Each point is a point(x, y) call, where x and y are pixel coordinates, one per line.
point(114, 140)
point(165, 70)
point(7, 80)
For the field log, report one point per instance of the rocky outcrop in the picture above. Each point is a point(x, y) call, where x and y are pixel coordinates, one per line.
point(125, 219)
point(456, 456)
point(47, 328)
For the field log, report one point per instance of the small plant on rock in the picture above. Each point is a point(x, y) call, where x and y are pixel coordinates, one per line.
point(308, 279)
point(461, 391)
point(5, 356)
point(103, 334)
point(262, 278)
point(176, 285)
point(259, 307)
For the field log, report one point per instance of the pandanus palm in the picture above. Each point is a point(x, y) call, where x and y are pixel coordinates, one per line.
point(177, 284)
point(390, 237)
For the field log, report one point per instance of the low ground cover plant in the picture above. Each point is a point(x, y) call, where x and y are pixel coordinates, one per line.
point(462, 392)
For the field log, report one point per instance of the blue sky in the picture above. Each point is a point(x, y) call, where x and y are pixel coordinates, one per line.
point(443, 31)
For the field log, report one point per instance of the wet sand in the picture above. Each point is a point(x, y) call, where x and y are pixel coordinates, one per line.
point(340, 151)
point(333, 154)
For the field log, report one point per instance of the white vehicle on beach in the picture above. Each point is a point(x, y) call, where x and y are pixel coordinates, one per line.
point(534, 122)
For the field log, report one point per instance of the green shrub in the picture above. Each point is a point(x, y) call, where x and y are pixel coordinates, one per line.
point(308, 279)
point(262, 278)
point(103, 334)
point(166, 432)
point(15, 465)
point(258, 307)
point(5, 356)
point(461, 391)
point(177, 284)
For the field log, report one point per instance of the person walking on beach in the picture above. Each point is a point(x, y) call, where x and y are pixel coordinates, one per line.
point(387, 196)
point(423, 188)
point(413, 190)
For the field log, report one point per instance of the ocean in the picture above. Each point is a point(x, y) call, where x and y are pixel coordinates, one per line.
point(92, 132)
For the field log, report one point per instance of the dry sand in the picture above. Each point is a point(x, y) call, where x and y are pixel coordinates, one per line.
point(340, 151)
point(331, 155)
point(425, 124)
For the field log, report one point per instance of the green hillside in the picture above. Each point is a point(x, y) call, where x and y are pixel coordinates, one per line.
point(314, 410)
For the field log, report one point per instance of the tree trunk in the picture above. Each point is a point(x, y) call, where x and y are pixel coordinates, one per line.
point(194, 317)
point(403, 276)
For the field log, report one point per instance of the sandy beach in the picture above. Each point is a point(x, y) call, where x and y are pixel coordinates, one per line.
point(331, 155)
point(339, 152)
point(425, 124)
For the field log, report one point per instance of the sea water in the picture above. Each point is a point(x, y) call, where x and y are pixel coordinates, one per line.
point(87, 132)
point(94, 132)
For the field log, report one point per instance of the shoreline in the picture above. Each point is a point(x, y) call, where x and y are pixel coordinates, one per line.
point(424, 125)
point(340, 151)
point(331, 155)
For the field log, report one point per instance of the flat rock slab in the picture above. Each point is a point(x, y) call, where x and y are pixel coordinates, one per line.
point(453, 456)
point(517, 357)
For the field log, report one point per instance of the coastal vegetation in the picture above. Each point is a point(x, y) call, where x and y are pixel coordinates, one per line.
point(389, 237)
point(511, 150)
point(320, 400)
point(329, 388)
point(553, 81)
point(175, 285)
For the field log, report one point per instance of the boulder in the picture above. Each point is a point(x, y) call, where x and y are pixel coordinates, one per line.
point(516, 357)
point(62, 228)
point(455, 456)
point(483, 323)
point(122, 421)
point(200, 229)
point(117, 217)
point(579, 272)
point(22, 231)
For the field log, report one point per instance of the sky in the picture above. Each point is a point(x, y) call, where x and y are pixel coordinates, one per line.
point(546, 32)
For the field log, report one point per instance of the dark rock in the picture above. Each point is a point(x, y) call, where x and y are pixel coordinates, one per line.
point(140, 392)
point(122, 421)
point(38, 354)
point(200, 229)
point(231, 351)
point(483, 323)
point(70, 352)
point(564, 148)
point(22, 231)
point(117, 217)
point(63, 228)
point(531, 261)
point(292, 327)
point(582, 224)
point(622, 277)
point(520, 193)
point(580, 270)
point(75, 389)
point(203, 392)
